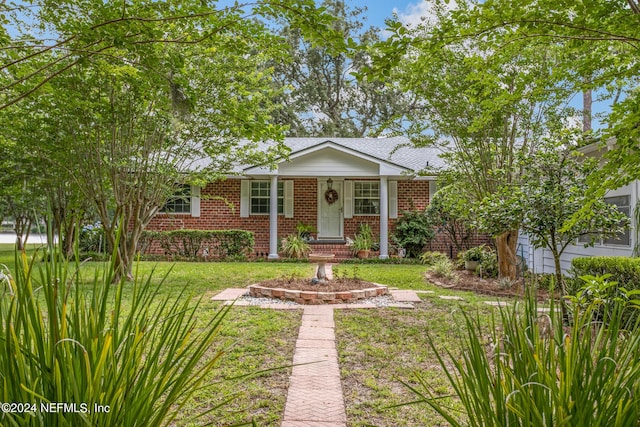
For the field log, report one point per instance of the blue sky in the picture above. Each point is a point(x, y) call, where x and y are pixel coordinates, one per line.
point(379, 10)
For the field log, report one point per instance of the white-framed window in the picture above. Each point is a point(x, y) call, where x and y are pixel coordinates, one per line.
point(180, 201)
point(366, 198)
point(260, 196)
point(623, 203)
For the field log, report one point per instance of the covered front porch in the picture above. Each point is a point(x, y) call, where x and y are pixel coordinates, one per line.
point(332, 188)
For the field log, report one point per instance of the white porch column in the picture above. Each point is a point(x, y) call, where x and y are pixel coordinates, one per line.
point(273, 218)
point(384, 218)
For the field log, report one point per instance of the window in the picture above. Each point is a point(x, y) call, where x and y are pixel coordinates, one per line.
point(623, 239)
point(366, 198)
point(180, 202)
point(622, 202)
point(260, 197)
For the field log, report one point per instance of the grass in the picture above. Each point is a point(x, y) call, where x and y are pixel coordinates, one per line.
point(378, 349)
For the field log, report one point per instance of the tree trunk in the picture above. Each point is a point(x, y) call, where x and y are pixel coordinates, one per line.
point(506, 244)
point(586, 109)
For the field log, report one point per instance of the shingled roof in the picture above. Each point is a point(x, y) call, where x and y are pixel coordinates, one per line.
point(397, 150)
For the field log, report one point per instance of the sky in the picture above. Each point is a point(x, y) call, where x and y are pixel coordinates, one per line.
point(379, 10)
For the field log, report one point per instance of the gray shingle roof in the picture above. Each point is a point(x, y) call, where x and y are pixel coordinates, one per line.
point(396, 150)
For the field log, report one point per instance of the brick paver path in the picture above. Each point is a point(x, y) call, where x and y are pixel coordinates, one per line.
point(315, 395)
point(315, 392)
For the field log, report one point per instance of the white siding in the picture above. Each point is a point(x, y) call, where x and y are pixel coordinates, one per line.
point(329, 162)
point(542, 259)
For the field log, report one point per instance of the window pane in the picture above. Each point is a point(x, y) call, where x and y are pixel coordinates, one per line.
point(624, 238)
point(366, 198)
point(180, 202)
point(261, 197)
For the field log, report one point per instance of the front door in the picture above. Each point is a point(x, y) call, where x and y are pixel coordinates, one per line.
point(330, 210)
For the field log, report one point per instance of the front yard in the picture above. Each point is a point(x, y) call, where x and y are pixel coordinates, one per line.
point(378, 349)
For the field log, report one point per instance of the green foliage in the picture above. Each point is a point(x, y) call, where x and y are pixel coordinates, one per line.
point(414, 230)
point(91, 239)
point(485, 256)
point(191, 244)
point(363, 239)
point(443, 268)
point(320, 79)
point(623, 272)
point(531, 372)
point(64, 342)
point(446, 212)
point(474, 254)
point(430, 258)
point(295, 246)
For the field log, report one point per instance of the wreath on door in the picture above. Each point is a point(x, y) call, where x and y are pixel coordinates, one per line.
point(331, 196)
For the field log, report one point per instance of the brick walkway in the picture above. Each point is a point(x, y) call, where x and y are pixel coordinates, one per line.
point(315, 392)
point(315, 395)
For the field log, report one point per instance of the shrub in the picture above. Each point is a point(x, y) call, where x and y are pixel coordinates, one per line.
point(531, 371)
point(142, 356)
point(624, 271)
point(414, 230)
point(91, 238)
point(190, 244)
point(430, 258)
point(443, 268)
point(488, 266)
point(295, 246)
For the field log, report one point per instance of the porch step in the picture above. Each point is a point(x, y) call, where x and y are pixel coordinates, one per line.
point(340, 250)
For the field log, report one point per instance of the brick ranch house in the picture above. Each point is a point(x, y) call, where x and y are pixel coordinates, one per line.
point(332, 184)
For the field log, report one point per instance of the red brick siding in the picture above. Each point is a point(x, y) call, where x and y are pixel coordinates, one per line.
point(220, 209)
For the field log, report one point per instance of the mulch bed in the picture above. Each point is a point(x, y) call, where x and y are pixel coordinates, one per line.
point(468, 281)
point(335, 285)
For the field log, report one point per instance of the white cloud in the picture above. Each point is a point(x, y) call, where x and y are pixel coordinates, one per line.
point(424, 12)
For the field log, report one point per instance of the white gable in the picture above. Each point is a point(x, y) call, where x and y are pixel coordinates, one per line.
point(332, 160)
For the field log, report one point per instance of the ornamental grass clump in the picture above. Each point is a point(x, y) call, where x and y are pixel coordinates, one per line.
point(74, 354)
point(529, 369)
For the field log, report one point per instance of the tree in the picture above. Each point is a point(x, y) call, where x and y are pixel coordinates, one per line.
point(552, 190)
point(446, 212)
point(484, 103)
point(597, 44)
point(322, 96)
point(135, 99)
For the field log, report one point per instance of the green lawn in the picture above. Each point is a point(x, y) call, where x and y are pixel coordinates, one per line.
point(378, 349)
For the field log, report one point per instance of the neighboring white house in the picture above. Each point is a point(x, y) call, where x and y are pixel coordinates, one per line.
point(626, 198)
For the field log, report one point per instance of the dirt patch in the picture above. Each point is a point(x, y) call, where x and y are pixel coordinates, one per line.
point(335, 285)
point(463, 280)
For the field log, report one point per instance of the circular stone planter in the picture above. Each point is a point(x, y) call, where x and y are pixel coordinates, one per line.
point(317, 298)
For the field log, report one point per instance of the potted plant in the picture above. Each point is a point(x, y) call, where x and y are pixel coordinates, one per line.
point(305, 230)
point(472, 257)
point(363, 241)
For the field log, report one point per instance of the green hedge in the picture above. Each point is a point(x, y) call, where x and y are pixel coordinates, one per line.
point(195, 244)
point(624, 270)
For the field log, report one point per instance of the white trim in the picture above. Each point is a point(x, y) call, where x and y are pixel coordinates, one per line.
point(273, 218)
point(245, 201)
point(383, 195)
point(389, 168)
point(195, 201)
point(393, 199)
point(433, 187)
point(347, 199)
point(288, 199)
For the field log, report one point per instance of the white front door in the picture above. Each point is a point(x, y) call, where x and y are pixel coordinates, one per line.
point(330, 225)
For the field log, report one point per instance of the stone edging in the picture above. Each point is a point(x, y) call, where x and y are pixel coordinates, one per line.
point(317, 298)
